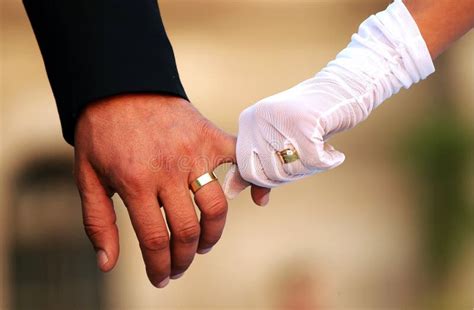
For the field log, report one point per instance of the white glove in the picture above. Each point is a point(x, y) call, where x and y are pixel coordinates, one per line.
point(387, 53)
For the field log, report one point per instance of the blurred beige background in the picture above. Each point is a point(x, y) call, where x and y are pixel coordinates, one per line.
point(349, 238)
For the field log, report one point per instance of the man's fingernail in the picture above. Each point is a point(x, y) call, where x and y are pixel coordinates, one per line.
point(177, 276)
point(102, 258)
point(164, 283)
point(204, 251)
point(265, 199)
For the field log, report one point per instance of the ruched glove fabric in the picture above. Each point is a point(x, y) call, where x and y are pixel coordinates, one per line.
point(387, 53)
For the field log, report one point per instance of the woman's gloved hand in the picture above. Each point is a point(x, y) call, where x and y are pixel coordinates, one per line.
point(386, 54)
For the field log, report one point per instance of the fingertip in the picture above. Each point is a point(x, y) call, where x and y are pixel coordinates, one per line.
point(264, 200)
point(332, 157)
point(233, 183)
point(260, 195)
point(177, 276)
point(204, 251)
point(107, 250)
point(161, 284)
point(338, 159)
point(102, 259)
point(105, 260)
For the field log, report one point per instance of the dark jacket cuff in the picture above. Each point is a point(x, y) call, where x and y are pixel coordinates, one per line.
point(93, 49)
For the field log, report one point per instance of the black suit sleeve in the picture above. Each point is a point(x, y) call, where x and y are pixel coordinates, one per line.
point(94, 49)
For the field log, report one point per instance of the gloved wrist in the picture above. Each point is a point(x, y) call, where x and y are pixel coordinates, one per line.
point(407, 38)
point(387, 53)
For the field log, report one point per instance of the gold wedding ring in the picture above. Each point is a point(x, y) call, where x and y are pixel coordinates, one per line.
point(204, 179)
point(288, 155)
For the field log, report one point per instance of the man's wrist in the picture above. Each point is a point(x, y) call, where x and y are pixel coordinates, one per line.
point(125, 106)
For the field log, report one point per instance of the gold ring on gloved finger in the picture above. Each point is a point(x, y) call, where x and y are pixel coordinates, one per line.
point(288, 155)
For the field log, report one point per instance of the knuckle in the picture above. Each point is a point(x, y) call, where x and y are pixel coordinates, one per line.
point(188, 234)
point(132, 185)
point(133, 177)
point(94, 231)
point(212, 134)
point(216, 209)
point(155, 242)
point(261, 109)
point(246, 115)
point(81, 181)
point(130, 169)
point(96, 226)
point(208, 129)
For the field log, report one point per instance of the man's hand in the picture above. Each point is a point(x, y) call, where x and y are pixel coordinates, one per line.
point(148, 149)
